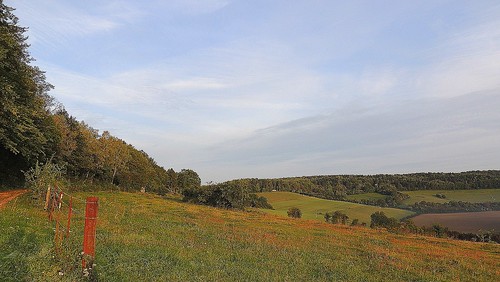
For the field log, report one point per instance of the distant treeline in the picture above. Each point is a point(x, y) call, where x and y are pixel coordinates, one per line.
point(453, 206)
point(339, 186)
point(36, 130)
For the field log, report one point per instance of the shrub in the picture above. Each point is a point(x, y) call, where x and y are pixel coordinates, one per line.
point(294, 212)
point(224, 195)
point(379, 219)
point(336, 217)
point(39, 177)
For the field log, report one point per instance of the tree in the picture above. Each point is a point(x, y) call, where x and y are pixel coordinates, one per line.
point(188, 179)
point(379, 219)
point(172, 180)
point(115, 154)
point(24, 103)
point(294, 212)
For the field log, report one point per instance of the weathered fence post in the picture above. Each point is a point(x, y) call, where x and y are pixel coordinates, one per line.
point(89, 232)
point(47, 198)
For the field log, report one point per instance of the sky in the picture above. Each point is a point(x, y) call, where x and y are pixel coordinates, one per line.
point(237, 89)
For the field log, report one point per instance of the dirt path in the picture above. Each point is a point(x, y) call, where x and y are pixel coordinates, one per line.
point(7, 196)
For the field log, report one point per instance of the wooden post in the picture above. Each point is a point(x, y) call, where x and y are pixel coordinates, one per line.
point(89, 232)
point(70, 210)
point(60, 199)
point(47, 198)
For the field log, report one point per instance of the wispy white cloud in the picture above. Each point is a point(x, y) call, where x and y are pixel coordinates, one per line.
point(53, 22)
point(233, 89)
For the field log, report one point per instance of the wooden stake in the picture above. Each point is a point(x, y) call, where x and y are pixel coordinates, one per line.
point(47, 198)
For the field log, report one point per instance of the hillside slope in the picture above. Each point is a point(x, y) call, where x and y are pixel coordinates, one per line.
point(149, 238)
point(315, 208)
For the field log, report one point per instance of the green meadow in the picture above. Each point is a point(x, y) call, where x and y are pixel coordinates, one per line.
point(142, 237)
point(315, 208)
point(472, 196)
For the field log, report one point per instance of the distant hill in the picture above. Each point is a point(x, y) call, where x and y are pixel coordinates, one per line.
point(339, 186)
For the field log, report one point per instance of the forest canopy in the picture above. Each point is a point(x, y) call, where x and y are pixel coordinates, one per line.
point(35, 129)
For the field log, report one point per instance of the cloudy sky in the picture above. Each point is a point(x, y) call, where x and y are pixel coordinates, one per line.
point(238, 89)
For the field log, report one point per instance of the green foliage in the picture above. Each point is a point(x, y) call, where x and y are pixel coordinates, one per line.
point(379, 219)
point(187, 179)
point(224, 195)
point(259, 202)
point(294, 212)
point(39, 177)
point(26, 130)
point(336, 217)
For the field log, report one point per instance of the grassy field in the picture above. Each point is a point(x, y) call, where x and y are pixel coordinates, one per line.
point(473, 196)
point(149, 238)
point(366, 196)
point(315, 208)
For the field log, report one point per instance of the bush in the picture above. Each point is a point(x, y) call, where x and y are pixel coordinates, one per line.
point(39, 177)
point(336, 217)
point(294, 212)
point(224, 195)
point(379, 219)
point(441, 196)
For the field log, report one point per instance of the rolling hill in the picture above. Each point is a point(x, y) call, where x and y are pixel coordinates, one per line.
point(143, 237)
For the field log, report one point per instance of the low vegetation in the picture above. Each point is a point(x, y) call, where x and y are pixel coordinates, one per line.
point(143, 237)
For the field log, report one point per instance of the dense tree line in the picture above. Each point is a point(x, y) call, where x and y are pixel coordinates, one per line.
point(34, 129)
point(338, 186)
point(453, 206)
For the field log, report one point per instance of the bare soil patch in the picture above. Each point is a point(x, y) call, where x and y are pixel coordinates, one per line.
point(471, 222)
point(7, 196)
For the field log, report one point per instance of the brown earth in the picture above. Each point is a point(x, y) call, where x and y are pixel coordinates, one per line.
point(7, 196)
point(471, 222)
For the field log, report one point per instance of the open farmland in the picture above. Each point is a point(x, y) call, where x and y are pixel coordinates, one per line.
point(150, 238)
point(472, 222)
point(472, 196)
point(315, 208)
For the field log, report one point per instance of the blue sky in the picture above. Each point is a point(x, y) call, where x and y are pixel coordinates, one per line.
point(238, 89)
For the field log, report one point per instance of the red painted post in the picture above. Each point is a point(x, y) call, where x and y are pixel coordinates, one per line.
point(89, 232)
point(70, 210)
